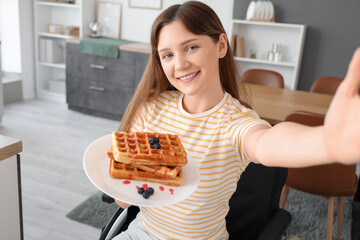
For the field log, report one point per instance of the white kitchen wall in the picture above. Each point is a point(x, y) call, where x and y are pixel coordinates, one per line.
point(27, 48)
point(10, 36)
point(16, 35)
point(136, 23)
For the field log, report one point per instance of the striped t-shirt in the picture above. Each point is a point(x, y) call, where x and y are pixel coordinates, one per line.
point(214, 139)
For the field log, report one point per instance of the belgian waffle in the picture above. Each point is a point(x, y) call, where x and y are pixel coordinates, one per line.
point(134, 148)
point(161, 171)
point(127, 171)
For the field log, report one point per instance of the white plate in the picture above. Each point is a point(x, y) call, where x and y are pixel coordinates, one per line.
point(250, 11)
point(272, 10)
point(259, 10)
point(96, 165)
point(267, 12)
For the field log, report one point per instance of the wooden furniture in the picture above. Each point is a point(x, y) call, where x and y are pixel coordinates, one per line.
point(274, 104)
point(329, 85)
point(259, 37)
point(330, 180)
point(102, 86)
point(136, 47)
point(11, 220)
point(326, 85)
point(263, 77)
point(50, 47)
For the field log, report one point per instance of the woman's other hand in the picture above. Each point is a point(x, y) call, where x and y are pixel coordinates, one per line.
point(122, 204)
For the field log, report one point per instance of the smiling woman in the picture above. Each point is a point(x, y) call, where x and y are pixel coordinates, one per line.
point(190, 89)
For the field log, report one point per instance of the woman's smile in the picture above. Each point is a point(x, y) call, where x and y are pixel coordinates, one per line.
point(188, 77)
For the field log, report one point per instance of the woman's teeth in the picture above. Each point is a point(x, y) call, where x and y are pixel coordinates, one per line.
point(188, 76)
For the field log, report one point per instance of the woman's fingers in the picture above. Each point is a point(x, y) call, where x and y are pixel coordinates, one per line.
point(122, 204)
point(352, 79)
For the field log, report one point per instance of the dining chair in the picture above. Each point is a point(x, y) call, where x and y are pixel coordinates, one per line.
point(326, 85)
point(263, 77)
point(330, 180)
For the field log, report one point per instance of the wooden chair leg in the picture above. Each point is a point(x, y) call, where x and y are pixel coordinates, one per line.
point(339, 211)
point(284, 194)
point(330, 218)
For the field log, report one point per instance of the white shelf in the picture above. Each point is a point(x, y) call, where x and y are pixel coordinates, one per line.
point(53, 35)
point(260, 36)
point(49, 46)
point(53, 4)
point(265, 61)
point(53, 65)
point(269, 24)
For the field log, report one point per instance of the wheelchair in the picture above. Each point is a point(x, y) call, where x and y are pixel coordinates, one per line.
point(254, 207)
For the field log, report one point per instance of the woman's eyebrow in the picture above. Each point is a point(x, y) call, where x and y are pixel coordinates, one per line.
point(183, 43)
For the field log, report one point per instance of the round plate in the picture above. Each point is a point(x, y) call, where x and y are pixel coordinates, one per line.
point(267, 13)
point(272, 10)
point(96, 164)
point(259, 10)
point(250, 14)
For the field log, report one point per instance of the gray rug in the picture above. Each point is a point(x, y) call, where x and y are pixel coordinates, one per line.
point(309, 214)
point(93, 211)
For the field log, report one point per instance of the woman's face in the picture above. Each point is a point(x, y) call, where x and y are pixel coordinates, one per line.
point(190, 61)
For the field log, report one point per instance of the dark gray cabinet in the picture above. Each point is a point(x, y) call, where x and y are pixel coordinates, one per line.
point(102, 86)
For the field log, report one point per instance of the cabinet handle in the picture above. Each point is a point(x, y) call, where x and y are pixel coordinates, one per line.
point(100, 89)
point(97, 66)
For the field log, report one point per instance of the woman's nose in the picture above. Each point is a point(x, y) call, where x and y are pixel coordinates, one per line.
point(181, 62)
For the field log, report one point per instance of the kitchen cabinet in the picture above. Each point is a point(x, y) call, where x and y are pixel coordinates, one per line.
point(50, 41)
point(102, 86)
point(259, 37)
point(11, 218)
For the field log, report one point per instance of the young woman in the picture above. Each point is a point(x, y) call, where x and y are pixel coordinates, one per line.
point(190, 88)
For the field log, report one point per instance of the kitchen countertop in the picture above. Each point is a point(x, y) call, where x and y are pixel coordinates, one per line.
point(9, 146)
point(133, 47)
point(136, 47)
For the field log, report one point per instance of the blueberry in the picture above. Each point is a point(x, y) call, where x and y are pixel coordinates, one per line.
point(141, 190)
point(156, 146)
point(154, 140)
point(150, 190)
point(146, 195)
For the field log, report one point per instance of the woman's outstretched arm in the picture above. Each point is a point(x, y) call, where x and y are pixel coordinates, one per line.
point(293, 145)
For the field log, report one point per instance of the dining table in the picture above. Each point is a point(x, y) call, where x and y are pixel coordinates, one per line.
point(274, 104)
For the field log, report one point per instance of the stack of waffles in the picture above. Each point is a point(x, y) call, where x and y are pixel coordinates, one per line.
point(134, 156)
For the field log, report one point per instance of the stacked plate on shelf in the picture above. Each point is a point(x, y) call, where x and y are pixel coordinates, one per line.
point(261, 11)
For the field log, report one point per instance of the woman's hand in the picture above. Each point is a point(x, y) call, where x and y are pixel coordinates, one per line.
point(342, 122)
point(122, 204)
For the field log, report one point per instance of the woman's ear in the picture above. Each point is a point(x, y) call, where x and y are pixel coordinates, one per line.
point(223, 47)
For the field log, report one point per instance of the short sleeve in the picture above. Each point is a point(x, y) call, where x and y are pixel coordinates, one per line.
point(239, 126)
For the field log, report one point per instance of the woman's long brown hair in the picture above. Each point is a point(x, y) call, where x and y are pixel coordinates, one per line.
point(199, 19)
